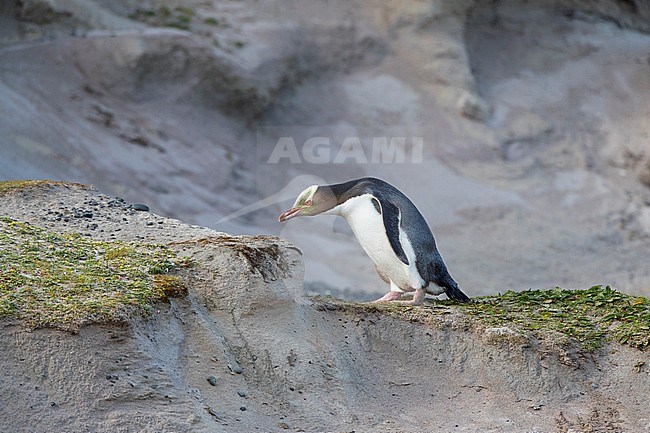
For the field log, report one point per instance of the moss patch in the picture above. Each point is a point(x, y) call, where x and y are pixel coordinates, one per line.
point(66, 281)
point(8, 186)
point(179, 17)
point(590, 317)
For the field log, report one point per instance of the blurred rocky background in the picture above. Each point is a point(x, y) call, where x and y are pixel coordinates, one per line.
point(534, 119)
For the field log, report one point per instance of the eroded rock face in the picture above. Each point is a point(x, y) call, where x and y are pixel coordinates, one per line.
point(245, 351)
point(255, 273)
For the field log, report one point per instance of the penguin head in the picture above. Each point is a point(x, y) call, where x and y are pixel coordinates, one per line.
point(312, 201)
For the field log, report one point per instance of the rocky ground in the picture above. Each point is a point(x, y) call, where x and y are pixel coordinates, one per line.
point(246, 351)
point(533, 116)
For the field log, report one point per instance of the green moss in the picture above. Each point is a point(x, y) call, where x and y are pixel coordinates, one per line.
point(66, 280)
point(590, 317)
point(184, 11)
point(179, 17)
point(180, 23)
point(8, 186)
point(164, 12)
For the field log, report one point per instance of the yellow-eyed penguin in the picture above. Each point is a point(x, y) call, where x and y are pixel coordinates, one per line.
point(390, 230)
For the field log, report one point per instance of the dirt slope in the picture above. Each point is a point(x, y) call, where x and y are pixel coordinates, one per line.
point(282, 362)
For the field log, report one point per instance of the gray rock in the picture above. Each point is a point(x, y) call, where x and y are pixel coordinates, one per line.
point(140, 207)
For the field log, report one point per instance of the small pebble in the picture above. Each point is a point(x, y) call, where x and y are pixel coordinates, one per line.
point(242, 408)
point(241, 394)
point(212, 380)
point(235, 369)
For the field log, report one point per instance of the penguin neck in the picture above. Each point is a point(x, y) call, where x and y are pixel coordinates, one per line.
point(353, 208)
point(347, 196)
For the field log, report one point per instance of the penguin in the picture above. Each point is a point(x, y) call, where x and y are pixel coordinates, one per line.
point(390, 229)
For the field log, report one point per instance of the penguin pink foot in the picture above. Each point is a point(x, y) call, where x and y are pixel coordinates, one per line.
point(418, 297)
point(390, 296)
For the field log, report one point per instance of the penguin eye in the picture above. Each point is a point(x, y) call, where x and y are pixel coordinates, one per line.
point(308, 203)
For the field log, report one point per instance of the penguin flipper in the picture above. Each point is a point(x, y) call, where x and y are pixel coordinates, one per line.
point(390, 215)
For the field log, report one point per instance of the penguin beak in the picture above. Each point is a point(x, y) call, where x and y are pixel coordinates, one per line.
point(288, 214)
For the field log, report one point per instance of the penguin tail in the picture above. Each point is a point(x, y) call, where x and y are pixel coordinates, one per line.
point(455, 294)
point(437, 271)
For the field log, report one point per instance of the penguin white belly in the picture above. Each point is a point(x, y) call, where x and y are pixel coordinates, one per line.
point(368, 227)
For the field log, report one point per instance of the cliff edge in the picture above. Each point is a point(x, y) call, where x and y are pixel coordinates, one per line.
point(226, 341)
